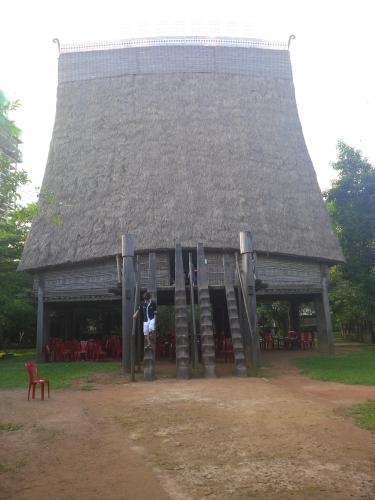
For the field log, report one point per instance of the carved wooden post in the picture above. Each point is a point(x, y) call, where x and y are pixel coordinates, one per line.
point(128, 284)
point(40, 355)
point(249, 297)
point(234, 321)
point(149, 354)
point(194, 347)
point(207, 336)
point(181, 319)
point(323, 316)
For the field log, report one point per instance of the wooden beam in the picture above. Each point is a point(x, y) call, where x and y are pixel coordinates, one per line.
point(234, 320)
point(181, 318)
point(206, 329)
point(128, 285)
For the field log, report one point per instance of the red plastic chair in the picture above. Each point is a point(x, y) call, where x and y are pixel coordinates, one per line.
point(268, 341)
point(35, 380)
point(307, 340)
point(292, 341)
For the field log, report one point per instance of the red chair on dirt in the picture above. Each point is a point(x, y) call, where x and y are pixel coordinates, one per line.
point(35, 380)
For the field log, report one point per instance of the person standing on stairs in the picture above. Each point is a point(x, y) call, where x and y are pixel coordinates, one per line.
point(148, 310)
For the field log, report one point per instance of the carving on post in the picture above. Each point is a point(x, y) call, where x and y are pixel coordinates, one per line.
point(207, 337)
point(234, 321)
point(247, 287)
point(149, 354)
point(128, 285)
point(181, 318)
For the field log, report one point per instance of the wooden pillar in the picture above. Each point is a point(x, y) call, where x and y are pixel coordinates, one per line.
point(47, 323)
point(40, 334)
point(234, 321)
point(149, 354)
point(139, 340)
point(128, 285)
point(134, 333)
point(249, 298)
point(181, 318)
point(323, 316)
point(294, 315)
point(207, 336)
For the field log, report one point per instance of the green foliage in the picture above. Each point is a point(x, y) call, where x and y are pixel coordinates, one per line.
point(351, 204)
point(13, 373)
point(273, 316)
point(348, 368)
point(364, 415)
point(17, 315)
point(165, 320)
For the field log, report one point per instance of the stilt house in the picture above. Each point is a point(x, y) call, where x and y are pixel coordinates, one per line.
point(180, 142)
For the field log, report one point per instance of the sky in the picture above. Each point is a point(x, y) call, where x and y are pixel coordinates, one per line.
point(332, 57)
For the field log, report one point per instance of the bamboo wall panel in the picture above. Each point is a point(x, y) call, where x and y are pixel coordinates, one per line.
point(163, 274)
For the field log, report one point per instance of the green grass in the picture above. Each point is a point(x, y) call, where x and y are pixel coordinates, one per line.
point(13, 373)
point(364, 415)
point(348, 368)
point(10, 426)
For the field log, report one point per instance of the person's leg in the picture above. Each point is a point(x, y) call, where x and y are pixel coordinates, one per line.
point(146, 333)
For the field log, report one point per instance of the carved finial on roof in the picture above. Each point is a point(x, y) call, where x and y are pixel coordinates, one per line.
point(291, 37)
point(56, 40)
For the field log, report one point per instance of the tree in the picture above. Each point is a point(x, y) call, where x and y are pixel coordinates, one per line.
point(351, 204)
point(17, 313)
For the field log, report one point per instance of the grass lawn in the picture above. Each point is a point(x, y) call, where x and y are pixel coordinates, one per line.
point(364, 415)
point(348, 368)
point(13, 373)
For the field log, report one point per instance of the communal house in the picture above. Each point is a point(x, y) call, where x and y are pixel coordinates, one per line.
point(179, 145)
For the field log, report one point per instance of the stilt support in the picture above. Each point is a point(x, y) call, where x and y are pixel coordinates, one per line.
point(40, 329)
point(323, 316)
point(247, 287)
point(128, 286)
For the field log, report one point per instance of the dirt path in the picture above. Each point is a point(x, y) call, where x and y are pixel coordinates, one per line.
point(229, 438)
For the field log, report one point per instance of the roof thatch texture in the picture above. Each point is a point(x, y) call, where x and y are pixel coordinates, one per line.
point(177, 144)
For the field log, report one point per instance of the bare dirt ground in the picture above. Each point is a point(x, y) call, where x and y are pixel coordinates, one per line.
point(281, 436)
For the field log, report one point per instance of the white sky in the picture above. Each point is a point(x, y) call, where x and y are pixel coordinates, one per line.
point(333, 59)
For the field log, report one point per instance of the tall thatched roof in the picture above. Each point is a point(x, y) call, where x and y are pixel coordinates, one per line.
point(183, 141)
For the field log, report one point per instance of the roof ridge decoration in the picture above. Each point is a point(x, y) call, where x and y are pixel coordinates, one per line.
point(207, 41)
